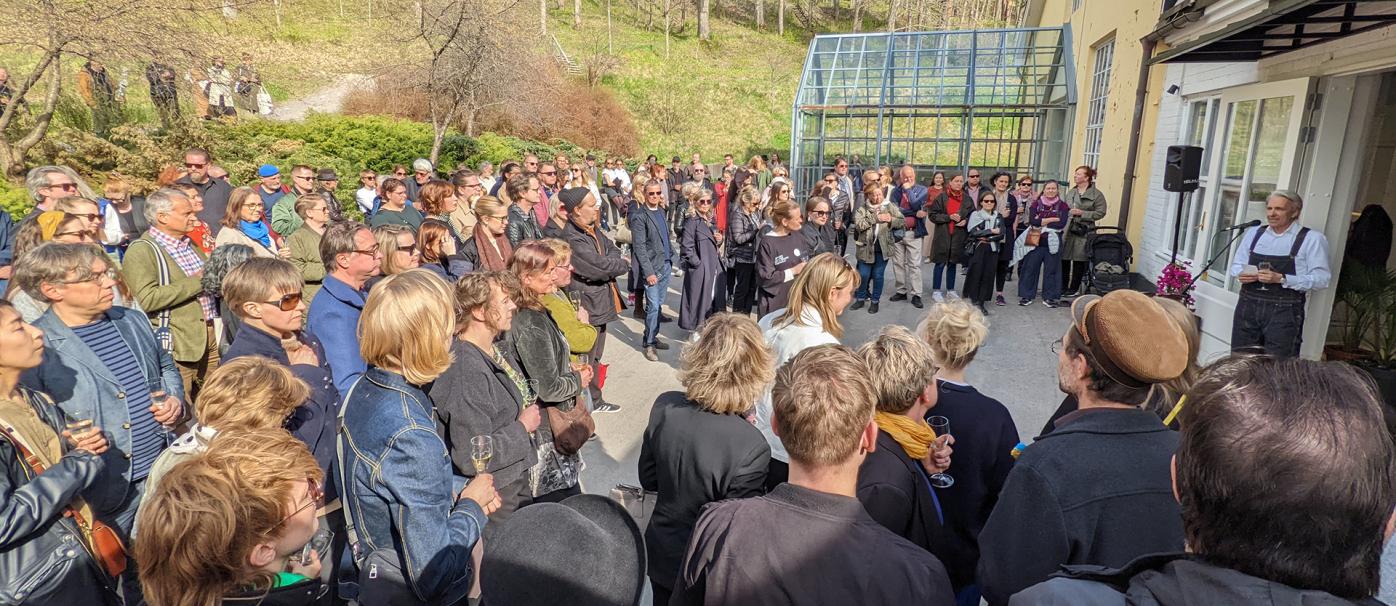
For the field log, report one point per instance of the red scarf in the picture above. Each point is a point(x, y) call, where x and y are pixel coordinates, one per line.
point(953, 201)
point(492, 258)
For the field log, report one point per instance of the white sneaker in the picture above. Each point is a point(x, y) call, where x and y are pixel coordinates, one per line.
point(954, 296)
point(937, 297)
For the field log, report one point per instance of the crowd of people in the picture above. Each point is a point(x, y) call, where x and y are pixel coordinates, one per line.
point(220, 394)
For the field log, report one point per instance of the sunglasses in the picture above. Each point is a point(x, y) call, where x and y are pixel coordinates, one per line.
point(372, 252)
point(705, 201)
point(399, 174)
point(818, 212)
point(287, 302)
point(86, 216)
point(195, 164)
point(1025, 184)
point(548, 172)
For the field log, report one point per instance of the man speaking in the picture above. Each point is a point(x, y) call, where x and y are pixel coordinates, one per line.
point(1278, 264)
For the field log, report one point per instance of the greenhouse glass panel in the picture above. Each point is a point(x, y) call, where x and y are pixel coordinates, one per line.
point(947, 100)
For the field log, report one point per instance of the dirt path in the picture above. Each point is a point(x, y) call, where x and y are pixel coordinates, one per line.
point(327, 100)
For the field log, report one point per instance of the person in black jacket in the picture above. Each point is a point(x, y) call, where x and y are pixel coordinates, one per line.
point(985, 438)
point(818, 230)
point(596, 263)
point(744, 225)
point(700, 446)
point(810, 541)
point(1097, 490)
point(481, 394)
point(37, 538)
point(700, 254)
point(894, 480)
point(1301, 523)
point(986, 229)
point(654, 255)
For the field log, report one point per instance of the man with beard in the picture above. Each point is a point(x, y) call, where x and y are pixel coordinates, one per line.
point(1097, 490)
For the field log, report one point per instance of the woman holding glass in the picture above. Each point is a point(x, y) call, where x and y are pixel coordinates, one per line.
point(544, 356)
point(484, 394)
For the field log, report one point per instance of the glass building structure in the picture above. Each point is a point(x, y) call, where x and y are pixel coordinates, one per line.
point(944, 100)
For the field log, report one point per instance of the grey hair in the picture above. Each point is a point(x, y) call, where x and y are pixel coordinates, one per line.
point(51, 262)
point(1294, 198)
point(220, 262)
point(485, 165)
point(38, 179)
point(421, 164)
point(161, 201)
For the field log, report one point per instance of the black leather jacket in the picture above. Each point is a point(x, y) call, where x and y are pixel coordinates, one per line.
point(523, 225)
point(42, 558)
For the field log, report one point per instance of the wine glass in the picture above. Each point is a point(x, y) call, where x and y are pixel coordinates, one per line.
point(530, 392)
point(160, 398)
point(1264, 266)
point(584, 359)
point(941, 426)
point(481, 449)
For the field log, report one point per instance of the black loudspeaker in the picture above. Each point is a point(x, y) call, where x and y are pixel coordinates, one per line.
point(1184, 163)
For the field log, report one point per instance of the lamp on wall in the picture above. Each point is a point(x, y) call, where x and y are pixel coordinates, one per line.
point(1172, 89)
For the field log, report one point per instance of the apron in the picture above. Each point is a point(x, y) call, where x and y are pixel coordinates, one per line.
point(1284, 264)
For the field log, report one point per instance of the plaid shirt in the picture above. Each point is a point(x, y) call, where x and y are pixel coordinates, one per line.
point(189, 262)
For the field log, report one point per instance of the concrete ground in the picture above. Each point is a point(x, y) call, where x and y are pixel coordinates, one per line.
point(1015, 365)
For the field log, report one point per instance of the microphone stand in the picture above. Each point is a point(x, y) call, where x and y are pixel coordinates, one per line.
point(1210, 262)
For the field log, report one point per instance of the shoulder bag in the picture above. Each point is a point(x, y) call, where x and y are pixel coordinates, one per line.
point(572, 427)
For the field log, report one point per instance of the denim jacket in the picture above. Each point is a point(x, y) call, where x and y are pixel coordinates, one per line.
point(84, 388)
point(400, 492)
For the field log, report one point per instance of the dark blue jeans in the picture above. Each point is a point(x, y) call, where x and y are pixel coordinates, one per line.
point(654, 301)
point(871, 274)
point(949, 269)
point(1040, 263)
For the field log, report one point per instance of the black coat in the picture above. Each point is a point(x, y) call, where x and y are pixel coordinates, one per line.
point(693, 457)
point(984, 439)
point(475, 397)
point(523, 225)
point(1097, 490)
point(594, 273)
point(41, 560)
point(704, 276)
point(946, 246)
point(743, 233)
point(894, 489)
point(821, 239)
point(801, 546)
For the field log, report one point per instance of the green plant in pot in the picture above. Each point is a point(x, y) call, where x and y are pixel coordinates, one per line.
point(1370, 324)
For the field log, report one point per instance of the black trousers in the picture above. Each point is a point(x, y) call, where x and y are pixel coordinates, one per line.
point(979, 283)
point(1275, 327)
point(743, 297)
point(1072, 273)
point(596, 351)
point(661, 594)
point(1001, 273)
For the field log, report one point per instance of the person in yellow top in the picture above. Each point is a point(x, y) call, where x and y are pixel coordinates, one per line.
point(95, 88)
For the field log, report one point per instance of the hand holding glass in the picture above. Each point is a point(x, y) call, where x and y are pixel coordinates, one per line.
point(481, 450)
point(941, 426)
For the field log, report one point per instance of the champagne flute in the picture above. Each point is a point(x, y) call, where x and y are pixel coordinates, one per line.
point(1264, 266)
point(941, 426)
point(160, 398)
point(481, 449)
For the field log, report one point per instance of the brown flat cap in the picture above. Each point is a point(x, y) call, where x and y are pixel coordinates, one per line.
point(1135, 342)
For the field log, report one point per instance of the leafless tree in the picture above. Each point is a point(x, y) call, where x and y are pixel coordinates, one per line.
point(704, 7)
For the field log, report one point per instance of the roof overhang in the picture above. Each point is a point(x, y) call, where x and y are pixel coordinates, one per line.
point(1282, 26)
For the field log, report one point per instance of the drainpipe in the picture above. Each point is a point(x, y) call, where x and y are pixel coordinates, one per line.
point(1135, 129)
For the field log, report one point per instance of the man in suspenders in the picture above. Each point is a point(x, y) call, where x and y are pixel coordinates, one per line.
point(1278, 264)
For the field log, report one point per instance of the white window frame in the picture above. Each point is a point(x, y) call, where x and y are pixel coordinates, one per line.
point(1099, 100)
point(1195, 218)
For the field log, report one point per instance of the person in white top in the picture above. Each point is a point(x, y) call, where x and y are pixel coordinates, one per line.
point(1278, 264)
point(368, 190)
point(822, 291)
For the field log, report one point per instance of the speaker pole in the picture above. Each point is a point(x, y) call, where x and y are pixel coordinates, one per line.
point(1177, 227)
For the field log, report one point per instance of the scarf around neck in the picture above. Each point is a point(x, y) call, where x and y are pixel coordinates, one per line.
point(257, 230)
point(914, 435)
point(496, 257)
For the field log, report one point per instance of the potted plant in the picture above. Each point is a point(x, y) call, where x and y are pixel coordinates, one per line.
point(1173, 283)
point(1369, 328)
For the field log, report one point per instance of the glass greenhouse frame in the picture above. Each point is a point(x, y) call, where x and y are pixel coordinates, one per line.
point(999, 99)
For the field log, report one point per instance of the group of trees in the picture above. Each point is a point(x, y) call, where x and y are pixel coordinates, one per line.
point(815, 17)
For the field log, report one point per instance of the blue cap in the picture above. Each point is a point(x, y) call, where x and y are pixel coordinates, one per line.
point(267, 170)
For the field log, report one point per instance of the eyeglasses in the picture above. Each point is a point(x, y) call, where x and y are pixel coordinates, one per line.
point(706, 201)
point(654, 193)
point(501, 218)
point(254, 205)
point(699, 170)
point(109, 274)
point(411, 250)
point(368, 177)
point(400, 174)
point(287, 302)
point(316, 494)
point(69, 186)
point(304, 178)
point(87, 216)
point(1057, 346)
point(372, 252)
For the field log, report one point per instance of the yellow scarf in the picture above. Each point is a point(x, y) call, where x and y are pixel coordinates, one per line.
point(914, 435)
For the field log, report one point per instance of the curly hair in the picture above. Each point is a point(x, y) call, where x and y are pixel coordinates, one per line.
point(905, 368)
point(729, 365)
point(220, 263)
point(954, 330)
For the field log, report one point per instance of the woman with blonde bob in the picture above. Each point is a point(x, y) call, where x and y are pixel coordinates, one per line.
point(819, 295)
point(397, 485)
point(231, 524)
point(985, 436)
point(700, 446)
point(250, 393)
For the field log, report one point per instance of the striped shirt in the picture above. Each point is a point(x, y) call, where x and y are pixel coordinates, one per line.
point(188, 261)
point(147, 436)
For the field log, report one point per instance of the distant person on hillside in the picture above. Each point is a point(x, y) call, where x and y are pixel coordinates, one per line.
point(248, 85)
point(220, 91)
point(164, 94)
point(7, 93)
point(95, 87)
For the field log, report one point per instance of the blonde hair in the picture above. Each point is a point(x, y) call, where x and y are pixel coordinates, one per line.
point(729, 365)
point(1162, 396)
point(116, 185)
point(561, 250)
point(823, 398)
point(251, 392)
point(407, 324)
point(904, 368)
point(813, 287)
point(954, 330)
point(207, 514)
point(386, 237)
point(473, 292)
point(70, 204)
point(487, 206)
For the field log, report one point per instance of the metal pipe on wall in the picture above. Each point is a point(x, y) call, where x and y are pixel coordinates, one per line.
point(1135, 131)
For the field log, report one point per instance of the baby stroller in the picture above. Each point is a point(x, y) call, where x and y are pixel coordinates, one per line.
point(1108, 256)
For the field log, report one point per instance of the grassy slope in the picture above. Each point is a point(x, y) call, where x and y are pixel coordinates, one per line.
point(732, 94)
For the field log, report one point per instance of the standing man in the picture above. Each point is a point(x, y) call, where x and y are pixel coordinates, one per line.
point(1278, 264)
point(284, 219)
point(1097, 490)
point(164, 271)
point(596, 263)
point(547, 177)
point(654, 258)
point(351, 257)
point(910, 198)
point(215, 192)
point(840, 208)
point(973, 187)
point(95, 88)
point(593, 173)
point(220, 91)
point(809, 540)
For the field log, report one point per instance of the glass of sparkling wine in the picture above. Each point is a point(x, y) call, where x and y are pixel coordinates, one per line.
point(1264, 266)
point(481, 449)
point(941, 426)
point(159, 398)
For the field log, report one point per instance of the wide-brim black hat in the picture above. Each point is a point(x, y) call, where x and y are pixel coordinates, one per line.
point(584, 551)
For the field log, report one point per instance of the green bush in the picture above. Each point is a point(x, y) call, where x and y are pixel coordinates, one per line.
point(14, 199)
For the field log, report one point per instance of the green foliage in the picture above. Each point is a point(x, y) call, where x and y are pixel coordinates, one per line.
point(14, 199)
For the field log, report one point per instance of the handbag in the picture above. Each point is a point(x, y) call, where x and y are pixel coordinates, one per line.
point(1033, 237)
point(623, 232)
point(107, 548)
point(572, 427)
point(638, 502)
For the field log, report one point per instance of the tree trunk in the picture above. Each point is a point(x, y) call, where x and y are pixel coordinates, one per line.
point(543, 16)
point(836, 4)
point(891, 16)
point(703, 7)
point(276, 5)
point(610, 48)
point(760, 14)
point(858, 15)
point(667, 6)
point(12, 153)
point(780, 17)
point(576, 14)
point(438, 134)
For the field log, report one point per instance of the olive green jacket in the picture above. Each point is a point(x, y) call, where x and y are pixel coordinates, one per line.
point(1092, 205)
point(180, 296)
point(580, 336)
point(305, 255)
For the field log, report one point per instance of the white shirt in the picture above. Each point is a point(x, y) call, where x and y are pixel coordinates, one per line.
point(1310, 263)
point(787, 340)
point(364, 198)
point(611, 174)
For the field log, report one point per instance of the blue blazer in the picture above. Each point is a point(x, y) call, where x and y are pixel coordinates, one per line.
point(333, 320)
point(917, 193)
point(84, 388)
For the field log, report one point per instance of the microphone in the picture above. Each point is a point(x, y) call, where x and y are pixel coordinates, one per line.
point(1246, 225)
